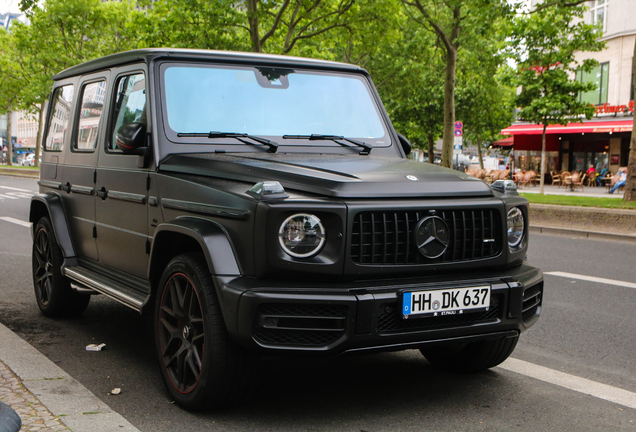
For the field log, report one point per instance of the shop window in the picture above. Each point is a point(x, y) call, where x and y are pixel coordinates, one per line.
point(599, 76)
point(598, 9)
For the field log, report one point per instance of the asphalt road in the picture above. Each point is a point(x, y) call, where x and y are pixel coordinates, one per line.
point(586, 331)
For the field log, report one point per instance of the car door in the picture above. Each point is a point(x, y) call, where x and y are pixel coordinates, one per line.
point(78, 182)
point(121, 201)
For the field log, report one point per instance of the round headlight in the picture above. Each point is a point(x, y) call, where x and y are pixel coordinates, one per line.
point(516, 226)
point(302, 235)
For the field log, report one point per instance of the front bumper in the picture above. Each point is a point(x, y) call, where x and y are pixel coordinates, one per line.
point(335, 318)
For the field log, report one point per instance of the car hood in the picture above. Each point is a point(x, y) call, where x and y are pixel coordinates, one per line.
point(344, 176)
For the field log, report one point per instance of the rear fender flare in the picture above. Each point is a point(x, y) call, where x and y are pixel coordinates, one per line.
point(50, 204)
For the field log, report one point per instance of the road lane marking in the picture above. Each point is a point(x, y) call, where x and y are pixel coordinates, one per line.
point(593, 279)
point(7, 196)
point(16, 189)
point(571, 382)
point(16, 221)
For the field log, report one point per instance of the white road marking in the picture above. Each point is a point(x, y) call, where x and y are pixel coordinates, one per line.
point(16, 189)
point(19, 194)
point(593, 279)
point(7, 196)
point(16, 221)
point(562, 379)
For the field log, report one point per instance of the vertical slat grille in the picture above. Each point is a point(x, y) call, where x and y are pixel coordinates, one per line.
point(387, 237)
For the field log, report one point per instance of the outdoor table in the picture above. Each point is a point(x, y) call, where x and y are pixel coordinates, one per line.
point(607, 182)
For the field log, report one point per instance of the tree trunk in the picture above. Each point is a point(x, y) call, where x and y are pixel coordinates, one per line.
point(252, 18)
point(431, 149)
point(542, 160)
point(481, 158)
point(630, 186)
point(449, 107)
point(9, 144)
point(38, 138)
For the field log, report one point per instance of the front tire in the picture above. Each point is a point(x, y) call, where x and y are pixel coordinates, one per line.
point(200, 365)
point(53, 291)
point(471, 357)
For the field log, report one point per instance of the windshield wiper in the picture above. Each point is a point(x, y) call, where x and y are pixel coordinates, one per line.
point(317, 137)
point(273, 146)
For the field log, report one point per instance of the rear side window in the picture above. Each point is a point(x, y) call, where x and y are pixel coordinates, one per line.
point(60, 115)
point(130, 106)
point(90, 112)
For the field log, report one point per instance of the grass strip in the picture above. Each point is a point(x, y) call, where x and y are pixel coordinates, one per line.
point(579, 201)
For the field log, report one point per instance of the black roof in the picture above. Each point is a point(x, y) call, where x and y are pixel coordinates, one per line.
point(148, 54)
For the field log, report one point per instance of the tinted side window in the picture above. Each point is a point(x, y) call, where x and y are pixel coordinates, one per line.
point(60, 115)
point(130, 106)
point(89, 115)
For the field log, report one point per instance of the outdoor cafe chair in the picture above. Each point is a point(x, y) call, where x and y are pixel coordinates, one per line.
point(576, 182)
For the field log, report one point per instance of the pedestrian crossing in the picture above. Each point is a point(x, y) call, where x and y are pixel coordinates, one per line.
point(11, 193)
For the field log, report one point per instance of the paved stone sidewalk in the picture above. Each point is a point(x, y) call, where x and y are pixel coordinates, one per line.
point(34, 415)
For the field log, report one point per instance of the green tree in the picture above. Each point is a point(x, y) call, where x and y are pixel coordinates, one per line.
point(406, 73)
point(545, 43)
point(630, 186)
point(61, 33)
point(457, 23)
point(484, 103)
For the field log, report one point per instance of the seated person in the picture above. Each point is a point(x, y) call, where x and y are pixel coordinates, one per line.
point(602, 174)
point(622, 179)
point(591, 172)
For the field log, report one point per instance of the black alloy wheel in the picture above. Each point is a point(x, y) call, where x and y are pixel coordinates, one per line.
point(201, 367)
point(53, 291)
point(43, 273)
point(181, 333)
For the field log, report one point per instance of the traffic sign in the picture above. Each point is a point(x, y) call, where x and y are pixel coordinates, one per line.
point(459, 128)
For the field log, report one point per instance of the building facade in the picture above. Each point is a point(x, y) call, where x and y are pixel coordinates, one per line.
point(604, 140)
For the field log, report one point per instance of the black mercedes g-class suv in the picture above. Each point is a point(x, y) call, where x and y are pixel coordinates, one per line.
point(265, 204)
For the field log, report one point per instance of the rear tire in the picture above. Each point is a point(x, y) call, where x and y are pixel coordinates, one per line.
point(201, 367)
point(53, 291)
point(471, 357)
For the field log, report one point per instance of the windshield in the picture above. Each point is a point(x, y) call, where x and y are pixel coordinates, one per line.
point(270, 102)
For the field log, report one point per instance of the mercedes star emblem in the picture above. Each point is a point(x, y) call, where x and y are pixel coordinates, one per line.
point(432, 236)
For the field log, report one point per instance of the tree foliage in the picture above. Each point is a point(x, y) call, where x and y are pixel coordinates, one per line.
point(544, 44)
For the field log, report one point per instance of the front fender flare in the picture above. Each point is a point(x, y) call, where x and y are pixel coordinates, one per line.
point(51, 203)
point(211, 237)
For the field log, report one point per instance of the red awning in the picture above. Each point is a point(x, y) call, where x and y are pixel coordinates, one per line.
point(505, 143)
point(590, 127)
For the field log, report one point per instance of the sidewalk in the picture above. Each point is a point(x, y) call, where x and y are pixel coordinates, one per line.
point(593, 192)
point(46, 397)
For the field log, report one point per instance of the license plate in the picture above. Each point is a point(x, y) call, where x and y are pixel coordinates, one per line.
point(455, 301)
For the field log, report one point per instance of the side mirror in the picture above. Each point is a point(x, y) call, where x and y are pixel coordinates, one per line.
point(406, 145)
point(131, 138)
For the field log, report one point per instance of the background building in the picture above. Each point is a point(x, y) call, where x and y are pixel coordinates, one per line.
point(603, 140)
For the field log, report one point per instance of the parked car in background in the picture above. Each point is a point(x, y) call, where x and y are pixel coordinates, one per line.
point(260, 204)
point(29, 160)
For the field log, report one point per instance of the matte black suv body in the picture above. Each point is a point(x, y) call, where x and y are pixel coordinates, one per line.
point(274, 242)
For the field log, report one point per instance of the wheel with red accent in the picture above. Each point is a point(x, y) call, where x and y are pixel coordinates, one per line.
point(201, 367)
point(470, 357)
point(53, 291)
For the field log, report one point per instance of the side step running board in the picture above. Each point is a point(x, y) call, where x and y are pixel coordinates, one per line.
point(115, 290)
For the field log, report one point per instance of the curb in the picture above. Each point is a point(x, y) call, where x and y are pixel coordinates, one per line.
point(18, 172)
point(67, 399)
point(580, 233)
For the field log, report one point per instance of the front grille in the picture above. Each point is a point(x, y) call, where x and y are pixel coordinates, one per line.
point(531, 301)
point(390, 320)
point(387, 237)
point(301, 325)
